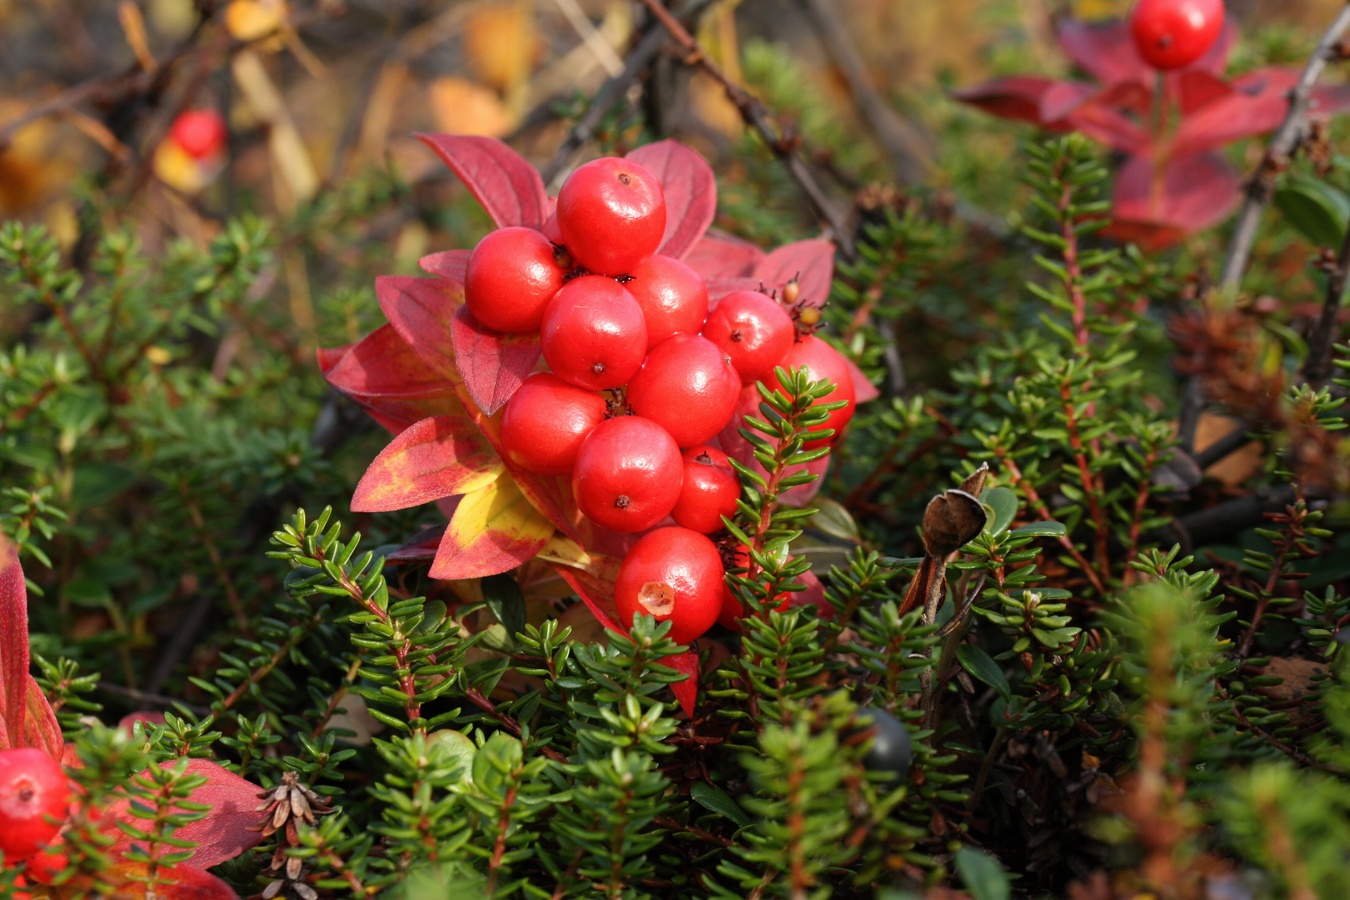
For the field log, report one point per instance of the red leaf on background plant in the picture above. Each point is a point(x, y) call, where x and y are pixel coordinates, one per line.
point(1258, 103)
point(494, 529)
point(690, 189)
point(223, 833)
point(452, 265)
point(686, 692)
point(506, 185)
point(1017, 98)
point(810, 262)
point(721, 255)
point(863, 388)
point(420, 310)
point(180, 882)
point(437, 457)
point(1102, 121)
point(596, 592)
point(1188, 194)
point(389, 381)
point(26, 718)
point(1196, 88)
point(492, 364)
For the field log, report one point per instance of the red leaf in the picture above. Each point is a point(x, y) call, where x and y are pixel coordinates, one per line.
point(448, 264)
point(721, 255)
point(1258, 103)
point(690, 190)
point(1017, 98)
point(437, 457)
point(508, 187)
point(686, 692)
point(596, 592)
point(492, 364)
point(224, 832)
point(180, 882)
point(420, 310)
point(863, 388)
point(1189, 194)
point(1194, 89)
point(391, 382)
point(26, 718)
point(493, 530)
point(1101, 119)
point(810, 262)
point(1103, 50)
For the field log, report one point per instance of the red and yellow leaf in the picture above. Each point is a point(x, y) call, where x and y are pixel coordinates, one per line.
point(494, 529)
point(389, 381)
point(437, 457)
point(420, 310)
point(509, 188)
point(690, 189)
point(491, 364)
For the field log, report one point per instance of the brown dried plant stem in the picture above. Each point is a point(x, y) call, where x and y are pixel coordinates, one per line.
point(753, 114)
point(1317, 367)
point(1292, 132)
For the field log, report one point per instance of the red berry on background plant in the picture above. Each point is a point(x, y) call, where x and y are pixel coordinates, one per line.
point(673, 297)
point(687, 386)
point(754, 330)
point(593, 333)
point(627, 474)
point(823, 362)
point(1170, 34)
point(513, 273)
point(545, 422)
point(199, 132)
point(674, 574)
point(611, 214)
point(709, 492)
point(34, 801)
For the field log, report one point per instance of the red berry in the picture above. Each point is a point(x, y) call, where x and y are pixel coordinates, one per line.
point(611, 214)
point(687, 386)
point(823, 362)
point(673, 297)
point(676, 575)
point(1170, 34)
point(513, 273)
point(709, 492)
point(627, 474)
point(200, 132)
point(545, 422)
point(754, 330)
point(593, 333)
point(34, 800)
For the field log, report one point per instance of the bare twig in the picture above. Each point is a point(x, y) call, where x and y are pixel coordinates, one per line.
point(1317, 367)
point(1290, 135)
point(753, 114)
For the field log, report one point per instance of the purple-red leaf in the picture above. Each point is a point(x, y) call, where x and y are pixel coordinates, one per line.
point(1258, 103)
point(1101, 119)
point(1017, 98)
point(225, 831)
point(391, 382)
point(494, 529)
point(437, 457)
point(492, 364)
point(420, 310)
point(810, 263)
point(721, 255)
point(1195, 89)
point(508, 187)
point(179, 882)
point(686, 692)
point(26, 718)
point(596, 592)
point(1188, 194)
point(1103, 50)
point(690, 190)
point(448, 264)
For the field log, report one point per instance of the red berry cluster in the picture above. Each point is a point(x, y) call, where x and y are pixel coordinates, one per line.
point(642, 378)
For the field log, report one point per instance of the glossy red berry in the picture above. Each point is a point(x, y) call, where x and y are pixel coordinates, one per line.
point(513, 273)
point(754, 330)
point(709, 492)
point(688, 386)
point(34, 799)
point(199, 132)
point(611, 214)
point(627, 474)
point(823, 361)
point(593, 333)
point(674, 574)
point(545, 422)
point(673, 297)
point(1170, 34)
